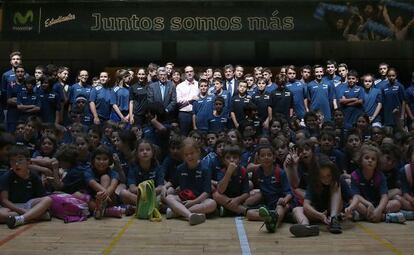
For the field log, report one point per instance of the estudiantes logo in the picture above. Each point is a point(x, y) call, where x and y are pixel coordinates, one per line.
point(23, 22)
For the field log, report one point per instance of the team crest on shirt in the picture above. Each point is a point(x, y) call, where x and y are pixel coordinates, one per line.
point(266, 97)
point(273, 180)
point(198, 174)
point(98, 87)
point(287, 94)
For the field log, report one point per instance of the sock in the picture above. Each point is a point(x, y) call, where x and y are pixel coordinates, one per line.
point(394, 218)
point(408, 215)
point(113, 211)
point(19, 220)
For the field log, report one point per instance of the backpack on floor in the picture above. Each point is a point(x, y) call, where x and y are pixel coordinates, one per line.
point(147, 203)
point(68, 208)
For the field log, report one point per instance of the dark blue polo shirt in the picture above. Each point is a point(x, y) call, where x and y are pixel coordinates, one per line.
point(238, 184)
point(371, 190)
point(271, 186)
point(21, 190)
point(136, 175)
point(202, 109)
point(197, 180)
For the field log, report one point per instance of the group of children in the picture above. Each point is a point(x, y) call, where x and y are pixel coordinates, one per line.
point(303, 151)
point(266, 178)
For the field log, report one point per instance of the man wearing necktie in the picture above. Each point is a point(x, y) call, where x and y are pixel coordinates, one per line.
point(231, 83)
point(163, 91)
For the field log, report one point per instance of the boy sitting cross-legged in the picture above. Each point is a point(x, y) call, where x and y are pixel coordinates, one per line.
point(22, 193)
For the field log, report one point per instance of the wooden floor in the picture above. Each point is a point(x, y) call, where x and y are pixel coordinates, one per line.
point(216, 236)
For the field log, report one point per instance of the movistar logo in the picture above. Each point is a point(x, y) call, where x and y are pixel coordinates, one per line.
point(19, 19)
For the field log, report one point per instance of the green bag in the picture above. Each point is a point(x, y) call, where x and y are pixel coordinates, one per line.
point(147, 202)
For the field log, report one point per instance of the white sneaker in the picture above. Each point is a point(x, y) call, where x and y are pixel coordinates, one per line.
point(169, 213)
point(197, 218)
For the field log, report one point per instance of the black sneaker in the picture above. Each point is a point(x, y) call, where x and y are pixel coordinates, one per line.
point(11, 222)
point(335, 225)
point(300, 230)
point(270, 219)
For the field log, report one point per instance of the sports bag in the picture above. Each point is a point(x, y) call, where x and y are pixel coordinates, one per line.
point(68, 208)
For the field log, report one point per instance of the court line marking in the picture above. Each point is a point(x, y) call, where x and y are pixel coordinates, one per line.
point(379, 239)
point(15, 234)
point(117, 237)
point(244, 243)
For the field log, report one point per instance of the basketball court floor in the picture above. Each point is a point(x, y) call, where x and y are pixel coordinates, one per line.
point(216, 236)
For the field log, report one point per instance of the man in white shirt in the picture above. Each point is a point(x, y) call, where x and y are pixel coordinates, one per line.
point(187, 93)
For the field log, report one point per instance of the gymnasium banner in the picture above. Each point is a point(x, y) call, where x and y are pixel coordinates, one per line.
point(258, 20)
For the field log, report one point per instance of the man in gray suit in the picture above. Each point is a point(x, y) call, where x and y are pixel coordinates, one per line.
point(163, 91)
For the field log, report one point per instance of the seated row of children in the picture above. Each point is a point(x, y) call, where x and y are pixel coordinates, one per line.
point(303, 180)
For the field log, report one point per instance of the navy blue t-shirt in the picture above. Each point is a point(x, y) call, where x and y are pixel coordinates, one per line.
point(321, 200)
point(237, 106)
point(281, 101)
point(120, 98)
point(74, 180)
point(227, 100)
point(351, 113)
point(218, 123)
point(321, 95)
point(27, 98)
point(372, 189)
point(372, 98)
point(238, 183)
point(101, 96)
point(213, 163)
point(392, 177)
point(299, 92)
point(169, 167)
point(21, 190)
point(136, 175)
point(77, 90)
point(202, 109)
point(273, 186)
point(49, 105)
point(197, 180)
point(262, 101)
point(138, 94)
point(90, 175)
point(393, 97)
